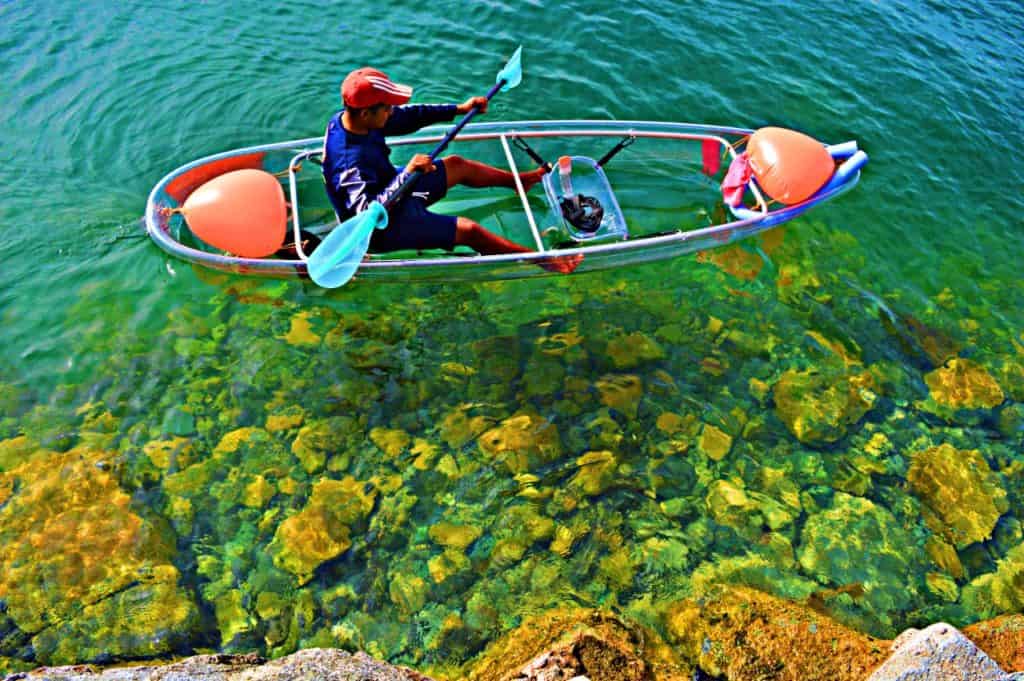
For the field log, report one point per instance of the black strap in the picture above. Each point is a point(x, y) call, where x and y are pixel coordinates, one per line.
point(623, 143)
point(521, 143)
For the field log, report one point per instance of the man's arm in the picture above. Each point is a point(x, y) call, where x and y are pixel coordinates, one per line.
point(410, 118)
point(353, 184)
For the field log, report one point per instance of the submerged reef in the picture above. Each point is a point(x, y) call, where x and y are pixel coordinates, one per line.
point(417, 476)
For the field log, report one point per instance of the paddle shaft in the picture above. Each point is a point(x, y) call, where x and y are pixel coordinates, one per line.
point(411, 180)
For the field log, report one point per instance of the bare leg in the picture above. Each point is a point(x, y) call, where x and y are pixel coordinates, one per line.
point(475, 174)
point(485, 242)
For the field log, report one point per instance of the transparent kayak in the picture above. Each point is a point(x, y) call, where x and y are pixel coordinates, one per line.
point(655, 198)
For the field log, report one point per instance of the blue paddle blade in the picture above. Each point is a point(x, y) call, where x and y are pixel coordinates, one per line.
point(336, 259)
point(512, 74)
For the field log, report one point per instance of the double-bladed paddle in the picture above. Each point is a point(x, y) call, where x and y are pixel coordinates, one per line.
point(336, 259)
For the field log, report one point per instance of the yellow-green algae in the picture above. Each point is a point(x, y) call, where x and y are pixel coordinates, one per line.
point(963, 384)
point(818, 407)
point(320, 531)
point(82, 576)
point(963, 496)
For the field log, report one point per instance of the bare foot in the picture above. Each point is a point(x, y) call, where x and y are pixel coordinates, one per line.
point(531, 178)
point(563, 264)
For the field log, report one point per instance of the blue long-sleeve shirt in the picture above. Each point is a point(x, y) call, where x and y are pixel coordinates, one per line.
point(358, 169)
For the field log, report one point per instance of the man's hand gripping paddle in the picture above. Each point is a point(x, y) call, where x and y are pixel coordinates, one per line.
point(336, 259)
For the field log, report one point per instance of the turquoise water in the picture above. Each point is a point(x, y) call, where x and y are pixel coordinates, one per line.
point(112, 346)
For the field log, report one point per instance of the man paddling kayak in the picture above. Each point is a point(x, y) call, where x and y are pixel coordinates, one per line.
point(357, 170)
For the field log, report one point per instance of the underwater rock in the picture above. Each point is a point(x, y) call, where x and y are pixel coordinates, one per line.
point(729, 505)
point(18, 450)
point(818, 407)
point(942, 586)
point(737, 261)
point(937, 652)
point(855, 542)
point(1011, 375)
point(671, 423)
point(565, 537)
point(446, 564)
point(543, 376)
point(515, 532)
point(391, 441)
point(1001, 591)
point(452, 536)
point(714, 442)
point(319, 439)
point(617, 570)
point(301, 334)
point(597, 472)
point(286, 419)
point(962, 384)
point(945, 557)
point(179, 422)
point(1011, 420)
point(522, 441)
point(767, 566)
point(234, 623)
point(408, 593)
point(621, 392)
point(458, 428)
point(205, 489)
point(171, 454)
point(632, 350)
point(963, 498)
point(76, 560)
point(258, 492)
point(321, 530)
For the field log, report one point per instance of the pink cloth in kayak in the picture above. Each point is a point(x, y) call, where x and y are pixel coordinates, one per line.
point(735, 182)
point(711, 156)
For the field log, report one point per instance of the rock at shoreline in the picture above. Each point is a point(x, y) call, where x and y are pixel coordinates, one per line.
point(938, 652)
point(314, 663)
point(730, 634)
point(564, 645)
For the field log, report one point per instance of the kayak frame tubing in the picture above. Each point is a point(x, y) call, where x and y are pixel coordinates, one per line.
point(509, 265)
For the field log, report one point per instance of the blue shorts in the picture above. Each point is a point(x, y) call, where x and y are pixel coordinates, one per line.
point(411, 226)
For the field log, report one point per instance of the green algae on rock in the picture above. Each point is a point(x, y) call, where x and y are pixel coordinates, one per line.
point(321, 531)
point(1001, 591)
point(522, 441)
point(319, 439)
point(632, 350)
point(857, 542)
point(963, 497)
point(963, 384)
point(621, 392)
point(104, 585)
point(818, 407)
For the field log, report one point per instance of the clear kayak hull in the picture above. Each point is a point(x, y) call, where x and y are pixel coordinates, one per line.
point(671, 208)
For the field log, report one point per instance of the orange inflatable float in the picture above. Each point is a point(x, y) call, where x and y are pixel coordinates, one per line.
point(242, 212)
point(789, 165)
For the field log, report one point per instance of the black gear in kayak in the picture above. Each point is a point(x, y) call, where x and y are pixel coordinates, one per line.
point(585, 213)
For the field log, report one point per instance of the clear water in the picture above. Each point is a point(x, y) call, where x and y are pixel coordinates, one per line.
point(111, 346)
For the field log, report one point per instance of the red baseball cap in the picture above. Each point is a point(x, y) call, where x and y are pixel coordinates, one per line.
point(366, 87)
